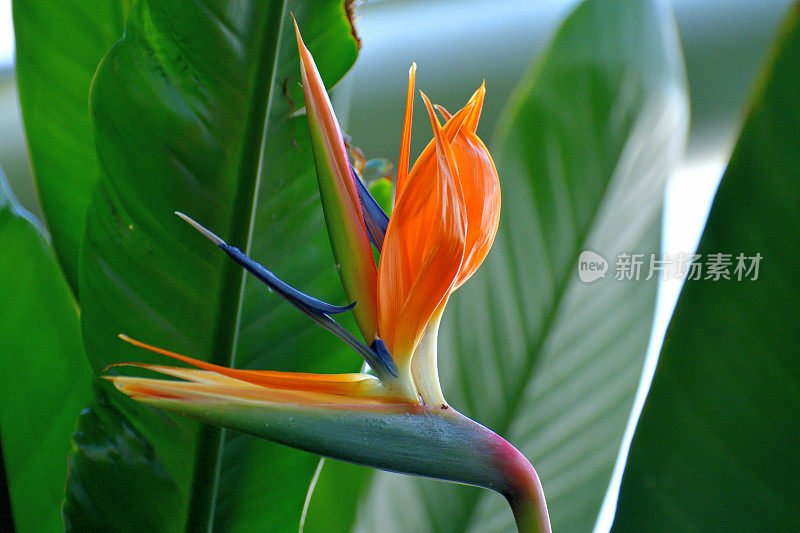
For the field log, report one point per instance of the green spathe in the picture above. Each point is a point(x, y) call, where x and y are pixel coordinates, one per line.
point(422, 440)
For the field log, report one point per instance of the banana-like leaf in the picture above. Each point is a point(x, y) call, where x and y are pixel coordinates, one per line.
point(112, 462)
point(550, 362)
point(716, 446)
point(58, 47)
point(43, 371)
point(290, 237)
point(179, 108)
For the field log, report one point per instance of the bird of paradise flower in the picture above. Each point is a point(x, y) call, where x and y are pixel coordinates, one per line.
point(395, 416)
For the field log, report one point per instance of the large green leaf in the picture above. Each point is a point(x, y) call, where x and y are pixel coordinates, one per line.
point(290, 237)
point(58, 47)
point(179, 107)
point(43, 372)
point(112, 462)
point(261, 482)
point(596, 125)
point(716, 445)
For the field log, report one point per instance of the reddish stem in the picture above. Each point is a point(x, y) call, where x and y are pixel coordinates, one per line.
point(522, 490)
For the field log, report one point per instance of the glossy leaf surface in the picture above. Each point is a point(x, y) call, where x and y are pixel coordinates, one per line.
point(43, 371)
point(179, 107)
point(716, 446)
point(111, 463)
point(58, 47)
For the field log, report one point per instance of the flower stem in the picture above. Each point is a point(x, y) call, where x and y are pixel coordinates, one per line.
point(529, 508)
point(523, 491)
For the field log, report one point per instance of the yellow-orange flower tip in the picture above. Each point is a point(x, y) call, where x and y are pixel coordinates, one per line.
point(443, 149)
point(358, 386)
point(405, 144)
point(474, 116)
point(442, 111)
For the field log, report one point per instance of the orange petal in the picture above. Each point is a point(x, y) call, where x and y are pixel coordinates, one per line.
point(405, 143)
point(341, 384)
point(426, 162)
point(444, 112)
point(476, 175)
point(478, 179)
point(474, 115)
point(144, 388)
point(468, 116)
point(423, 250)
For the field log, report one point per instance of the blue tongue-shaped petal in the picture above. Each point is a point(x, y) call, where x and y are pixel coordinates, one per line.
point(271, 280)
point(375, 219)
point(385, 356)
point(378, 358)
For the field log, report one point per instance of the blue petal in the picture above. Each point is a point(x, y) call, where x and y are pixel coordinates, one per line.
point(383, 353)
point(281, 287)
point(375, 219)
point(378, 356)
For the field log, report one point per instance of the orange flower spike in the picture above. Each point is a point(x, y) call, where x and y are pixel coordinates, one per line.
point(360, 385)
point(471, 113)
point(478, 178)
point(422, 253)
point(477, 105)
point(405, 143)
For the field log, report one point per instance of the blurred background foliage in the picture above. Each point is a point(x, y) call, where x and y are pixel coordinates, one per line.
point(568, 373)
point(460, 43)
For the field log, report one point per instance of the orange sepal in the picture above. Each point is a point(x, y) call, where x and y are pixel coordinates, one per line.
point(423, 249)
point(478, 178)
point(467, 116)
point(149, 388)
point(361, 385)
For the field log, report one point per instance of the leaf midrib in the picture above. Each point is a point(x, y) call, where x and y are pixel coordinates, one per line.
point(210, 446)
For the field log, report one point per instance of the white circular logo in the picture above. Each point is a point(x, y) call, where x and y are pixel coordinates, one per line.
point(591, 266)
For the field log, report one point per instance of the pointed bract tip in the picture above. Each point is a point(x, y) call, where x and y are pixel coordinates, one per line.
point(412, 69)
point(207, 233)
point(300, 43)
point(434, 119)
point(447, 115)
point(133, 341)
